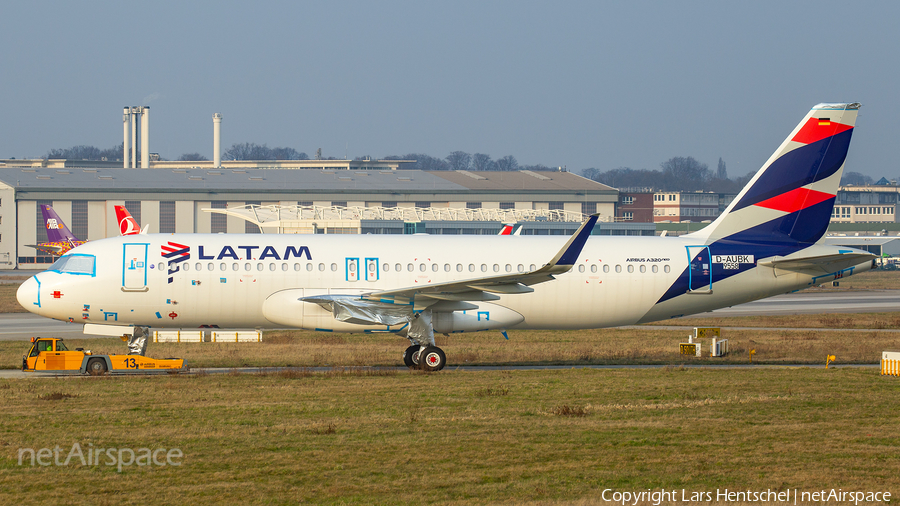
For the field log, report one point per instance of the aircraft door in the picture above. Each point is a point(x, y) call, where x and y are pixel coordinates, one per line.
point(352, 269)
point(134, 268)
point(700, 270)
point(371, 269)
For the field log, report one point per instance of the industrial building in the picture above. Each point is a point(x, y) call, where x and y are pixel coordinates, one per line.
point(328, 200)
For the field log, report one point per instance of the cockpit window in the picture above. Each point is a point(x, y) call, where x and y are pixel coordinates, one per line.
point(75, 264)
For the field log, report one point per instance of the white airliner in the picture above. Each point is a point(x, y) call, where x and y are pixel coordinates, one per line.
point(767, 242)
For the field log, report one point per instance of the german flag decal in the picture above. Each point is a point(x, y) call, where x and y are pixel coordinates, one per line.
point(817, 129)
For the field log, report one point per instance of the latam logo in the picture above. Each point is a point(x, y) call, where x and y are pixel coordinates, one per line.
point(52, 224)
point(267, 252)
point(175, 253)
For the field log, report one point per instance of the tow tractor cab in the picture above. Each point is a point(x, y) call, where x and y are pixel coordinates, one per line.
point(51, 354)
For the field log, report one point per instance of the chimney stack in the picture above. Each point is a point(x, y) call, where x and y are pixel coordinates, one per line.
point(126, 145)
point(217, 140)
point(145, 137)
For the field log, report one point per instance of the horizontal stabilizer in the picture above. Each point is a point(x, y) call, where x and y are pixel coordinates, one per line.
point(823, 263)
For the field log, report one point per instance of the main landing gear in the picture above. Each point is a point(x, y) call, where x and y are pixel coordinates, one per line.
point(427, 358)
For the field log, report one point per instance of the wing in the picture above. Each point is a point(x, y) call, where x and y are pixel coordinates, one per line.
point(483, 288)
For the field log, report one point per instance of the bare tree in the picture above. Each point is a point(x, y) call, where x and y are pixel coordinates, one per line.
point(856, 179)
point(508, 162)
point(481, 161)
point(722, 171)
point(288, 154)
point(192, 157)
point(459, 160)
point(684, 173)
point(75, 153)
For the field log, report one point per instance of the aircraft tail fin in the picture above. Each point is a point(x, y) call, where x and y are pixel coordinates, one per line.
point(57, 231)
point(790, 199)
point(127, 224)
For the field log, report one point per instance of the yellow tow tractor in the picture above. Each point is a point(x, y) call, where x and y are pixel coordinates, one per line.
point(50, 354)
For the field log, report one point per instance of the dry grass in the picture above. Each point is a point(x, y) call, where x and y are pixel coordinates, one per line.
point(557, 437)
point(813, 321)
point(357, 354)
point(8, 302)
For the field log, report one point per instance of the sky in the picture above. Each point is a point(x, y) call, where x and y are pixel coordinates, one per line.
point(567, 83)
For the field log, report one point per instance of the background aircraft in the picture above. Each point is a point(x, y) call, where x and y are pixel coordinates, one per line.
point(60, 239)
point(127, 224)
point(767, 242)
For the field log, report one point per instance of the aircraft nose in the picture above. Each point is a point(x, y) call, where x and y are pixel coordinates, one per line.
point(28, 295)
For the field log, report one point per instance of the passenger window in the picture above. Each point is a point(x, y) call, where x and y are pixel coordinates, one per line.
point(398, 267)
point(630, 268)
point(321, 267)
point(434, 267)
point(186, 267)
point(655, 269)
point(410, 267)
point(508, 268)
point(521, 268)
point(606, 268)
point(235, 266)
point(458, 267)
point(422, 267)
point(531, 267)
point(581, 268)
point(483, 267)
point(272, 267)
point(643, 268)
point(296, 267)
point(446, 267)
point(259, 267)
point(309, 267)
point(247, 266)
point(222, 266)
point(284, 267)
point(618, 268)
point(333, 267)
point(210, 266)
point(594, 268)
point(666, 268)
point(471, 267)
point(198, 266)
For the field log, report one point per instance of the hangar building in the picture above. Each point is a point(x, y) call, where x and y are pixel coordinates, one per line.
point(173, 200)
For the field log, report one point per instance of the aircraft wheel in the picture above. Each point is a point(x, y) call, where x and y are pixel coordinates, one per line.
point(432, 358)
point(96, 367)
point(411, 356)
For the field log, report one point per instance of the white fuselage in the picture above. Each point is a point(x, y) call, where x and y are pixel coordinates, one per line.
point(226, 280)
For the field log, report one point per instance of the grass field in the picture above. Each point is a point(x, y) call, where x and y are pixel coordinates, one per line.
point(575, 347)
point(493, 437)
